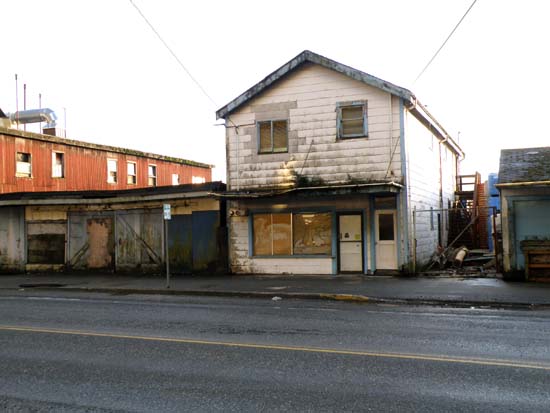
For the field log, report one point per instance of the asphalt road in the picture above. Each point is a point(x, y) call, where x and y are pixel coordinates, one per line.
point(78, 352)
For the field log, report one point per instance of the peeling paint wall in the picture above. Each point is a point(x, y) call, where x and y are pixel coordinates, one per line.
point(12, 239)
point(308, 99)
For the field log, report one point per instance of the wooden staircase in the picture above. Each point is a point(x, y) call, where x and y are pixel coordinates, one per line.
point(465, 222)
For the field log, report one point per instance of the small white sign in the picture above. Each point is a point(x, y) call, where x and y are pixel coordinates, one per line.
point(167, 212)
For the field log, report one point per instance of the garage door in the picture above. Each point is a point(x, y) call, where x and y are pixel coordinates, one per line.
point(531, 221)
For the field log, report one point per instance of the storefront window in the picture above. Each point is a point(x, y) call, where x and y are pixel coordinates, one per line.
point(292, 234)
point(312, 233)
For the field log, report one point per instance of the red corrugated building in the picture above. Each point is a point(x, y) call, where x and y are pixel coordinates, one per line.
point(32, 162)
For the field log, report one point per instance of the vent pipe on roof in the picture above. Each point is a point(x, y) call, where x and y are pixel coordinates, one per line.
point(34, 116)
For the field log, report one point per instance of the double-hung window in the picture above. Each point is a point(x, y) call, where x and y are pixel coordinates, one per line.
point(152, 175)
point(352, 119)
point(272, 136)
point(291, 234)
point(112, 171)
point(132, 173)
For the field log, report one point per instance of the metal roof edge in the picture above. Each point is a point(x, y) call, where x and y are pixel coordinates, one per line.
point(309, 56)
point(417, 108)
point(100, 147)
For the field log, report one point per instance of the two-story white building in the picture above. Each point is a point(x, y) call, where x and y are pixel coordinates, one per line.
point(325, 165)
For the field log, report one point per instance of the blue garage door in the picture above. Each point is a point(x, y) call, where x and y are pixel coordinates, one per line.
point(531, 221)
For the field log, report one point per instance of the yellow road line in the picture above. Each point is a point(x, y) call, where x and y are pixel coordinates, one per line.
point(423, 357)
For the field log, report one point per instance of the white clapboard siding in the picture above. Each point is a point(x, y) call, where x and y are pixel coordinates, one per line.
point(424, 183)
point(308, 97)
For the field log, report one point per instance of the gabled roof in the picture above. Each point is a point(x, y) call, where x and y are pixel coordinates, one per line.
point(416, 108)
point(525, 165)
point(304, 57)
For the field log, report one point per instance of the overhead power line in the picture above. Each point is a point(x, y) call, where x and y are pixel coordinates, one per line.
point(203, 90)
point(445, 42)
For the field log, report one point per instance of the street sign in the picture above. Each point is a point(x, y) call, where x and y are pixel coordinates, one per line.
point(166, 211)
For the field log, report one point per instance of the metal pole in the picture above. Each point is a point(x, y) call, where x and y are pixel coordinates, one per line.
point(414, 240)
point(495, 240)
point(166, 253)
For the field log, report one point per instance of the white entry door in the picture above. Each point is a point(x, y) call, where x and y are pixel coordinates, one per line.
point(386, 245)
point(350, 243)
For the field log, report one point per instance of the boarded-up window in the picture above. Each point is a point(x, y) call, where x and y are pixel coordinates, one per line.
point(46, 242)
point(352, 120)
point(273, 136)
point(23, 164)
point(58, 165)
point(312, 233)
point(292, 234)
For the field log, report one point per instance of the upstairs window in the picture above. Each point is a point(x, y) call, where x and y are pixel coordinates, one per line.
point(352, 120)
point(132, 173)
point(152, 175)
point(272, 136)
point(175, 179)
point(23, 164)
point(112, 171)
point(58, 165)
point(198, 180)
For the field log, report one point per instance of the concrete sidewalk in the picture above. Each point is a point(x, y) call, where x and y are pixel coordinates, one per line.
point(451, 291)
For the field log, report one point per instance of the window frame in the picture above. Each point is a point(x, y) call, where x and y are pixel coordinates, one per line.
point(153, 177)
point(111, 180)
point(54, 164)
point(17, 162)
point(339, 121)
point(128, 175)
point(259, 138)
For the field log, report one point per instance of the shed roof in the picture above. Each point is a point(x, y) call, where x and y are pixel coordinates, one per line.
point(113, 196)
point(524, 165)
point(308, 56)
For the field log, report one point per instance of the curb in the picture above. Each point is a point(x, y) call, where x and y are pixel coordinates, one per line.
point(351, 298)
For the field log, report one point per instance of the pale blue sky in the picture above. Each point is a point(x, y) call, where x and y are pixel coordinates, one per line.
point(100, 61)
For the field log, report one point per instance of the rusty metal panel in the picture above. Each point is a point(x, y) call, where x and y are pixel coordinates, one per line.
point(91, 241)
point(85, 167)
point(139, 240)
point(46, 242)
point(12, 239)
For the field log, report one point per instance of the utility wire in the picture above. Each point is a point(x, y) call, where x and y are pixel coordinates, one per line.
point(173, 54)
point(444, 43)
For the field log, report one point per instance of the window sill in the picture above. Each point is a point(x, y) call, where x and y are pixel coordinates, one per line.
point(345, 138)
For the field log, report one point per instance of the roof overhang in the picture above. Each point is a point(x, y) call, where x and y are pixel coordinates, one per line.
point(505, 185)
point(367, 188)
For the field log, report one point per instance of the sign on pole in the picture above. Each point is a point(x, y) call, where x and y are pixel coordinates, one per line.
point(167, 211)
point(167, 214)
